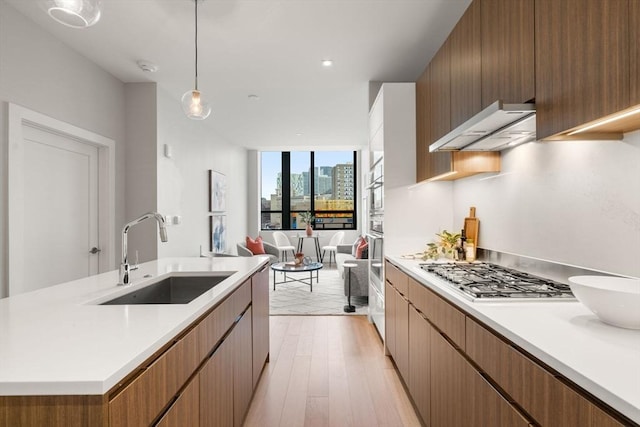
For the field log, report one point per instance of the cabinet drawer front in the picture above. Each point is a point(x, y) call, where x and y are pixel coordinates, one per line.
point(447, 318)
point(260, 320)
point(143, 399)
point(390, 319)
point(212, 328)
point(490, 353)
point(418, 295)
point(185, 410)
point(443, 315)
point(397, 278)
point(490, 408)
point(420, 363)
point(556, 405)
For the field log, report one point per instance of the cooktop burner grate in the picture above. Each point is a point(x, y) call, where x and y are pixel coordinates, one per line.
point(490, 281)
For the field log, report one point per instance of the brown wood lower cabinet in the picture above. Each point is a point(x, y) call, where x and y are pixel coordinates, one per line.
point(242, 368)
point(260, 321)
point(460, 373)
point(390, 319)
point(185, 410)
point(397, 329)
point(204, 377)
point(420, 363)
point(135, 405)
point(547, 398)
point(487, 406)
point(449, 384)
point(402, 336)
point(216, 388)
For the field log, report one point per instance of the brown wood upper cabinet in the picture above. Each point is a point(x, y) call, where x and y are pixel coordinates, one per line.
point(423, 120)
point(508, 66)
point(443, 164)
point(440, 93)
point(465, 73)
point(582, 61)
point(489, 56)
point(634, 36)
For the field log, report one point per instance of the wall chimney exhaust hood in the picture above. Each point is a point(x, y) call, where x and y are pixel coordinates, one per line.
point(495, 128)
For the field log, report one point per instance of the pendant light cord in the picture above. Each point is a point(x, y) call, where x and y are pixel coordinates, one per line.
point(196, 19)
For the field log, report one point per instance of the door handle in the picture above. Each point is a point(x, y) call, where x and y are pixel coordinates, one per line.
point(94, 250)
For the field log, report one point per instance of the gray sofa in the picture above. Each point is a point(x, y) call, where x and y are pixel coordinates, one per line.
point(271, 250)
point(359, 274)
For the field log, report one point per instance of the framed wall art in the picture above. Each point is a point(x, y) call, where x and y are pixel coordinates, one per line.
point(217, 191)
point(218, 233)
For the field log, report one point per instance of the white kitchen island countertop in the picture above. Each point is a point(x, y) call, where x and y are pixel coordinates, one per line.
point(602, 359)
point(58, 340)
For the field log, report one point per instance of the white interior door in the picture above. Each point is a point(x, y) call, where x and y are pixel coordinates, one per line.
point(60, 178)
point(60, 202)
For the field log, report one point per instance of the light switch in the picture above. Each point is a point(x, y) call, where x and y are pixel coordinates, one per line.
point(177, 220)
point(168, 220)
point(168, 151)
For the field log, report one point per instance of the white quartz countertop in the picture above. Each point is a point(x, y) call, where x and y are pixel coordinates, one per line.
point(58, 340)
point(602, 359)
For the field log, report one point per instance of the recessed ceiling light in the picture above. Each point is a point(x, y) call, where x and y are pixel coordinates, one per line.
point(327, 62)
point(253, 97)
point(298, 134)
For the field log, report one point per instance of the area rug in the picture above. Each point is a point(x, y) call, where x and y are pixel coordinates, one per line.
point(327, 297)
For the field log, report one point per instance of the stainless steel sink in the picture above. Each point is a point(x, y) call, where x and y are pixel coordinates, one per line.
point(172, 290)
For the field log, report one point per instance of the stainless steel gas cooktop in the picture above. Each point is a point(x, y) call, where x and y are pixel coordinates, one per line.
point(484, 281)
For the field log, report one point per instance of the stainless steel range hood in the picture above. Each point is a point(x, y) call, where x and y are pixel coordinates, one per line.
point(495, 128)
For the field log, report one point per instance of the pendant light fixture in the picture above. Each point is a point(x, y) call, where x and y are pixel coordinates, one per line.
point(74, 13)
point(192, 103)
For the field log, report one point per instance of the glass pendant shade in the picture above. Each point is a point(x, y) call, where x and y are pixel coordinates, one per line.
point(194, 106)
point(74, 13)
point(192, 103)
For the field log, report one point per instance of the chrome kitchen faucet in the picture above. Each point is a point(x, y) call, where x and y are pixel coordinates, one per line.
point(125, 268)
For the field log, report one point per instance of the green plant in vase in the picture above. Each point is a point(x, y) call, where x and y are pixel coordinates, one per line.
point(446, 245)
point(307, 218)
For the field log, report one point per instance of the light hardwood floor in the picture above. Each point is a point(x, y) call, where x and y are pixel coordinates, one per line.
point(328, 371)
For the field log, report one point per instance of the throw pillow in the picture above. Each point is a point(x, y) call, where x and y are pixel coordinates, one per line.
point(255, 246)
point(354, 248)
point(364, 246)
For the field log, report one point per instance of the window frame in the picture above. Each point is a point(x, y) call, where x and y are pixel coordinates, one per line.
point(286, 211)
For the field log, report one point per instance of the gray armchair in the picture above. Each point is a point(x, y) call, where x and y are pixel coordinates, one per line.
point(359, 274)
point(271, 251)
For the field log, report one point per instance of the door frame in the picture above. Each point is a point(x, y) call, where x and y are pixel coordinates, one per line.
point(17, 118)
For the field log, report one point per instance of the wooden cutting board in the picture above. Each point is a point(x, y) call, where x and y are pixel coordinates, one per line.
point(472, 226)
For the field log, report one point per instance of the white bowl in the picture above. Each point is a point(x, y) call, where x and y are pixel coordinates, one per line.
point(615, 300)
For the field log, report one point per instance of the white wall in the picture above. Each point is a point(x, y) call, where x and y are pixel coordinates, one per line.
point(414, 214)
point(182, 183)
point(42, 74)
point(141, 168)
point(571, 202)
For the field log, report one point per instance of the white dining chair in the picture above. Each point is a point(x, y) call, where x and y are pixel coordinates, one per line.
point(283, 244)
point(332, 247)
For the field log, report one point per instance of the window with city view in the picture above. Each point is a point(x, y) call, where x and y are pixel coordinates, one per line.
point(289, 188)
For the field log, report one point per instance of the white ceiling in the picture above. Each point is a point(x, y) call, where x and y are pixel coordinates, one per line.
point(270, 48)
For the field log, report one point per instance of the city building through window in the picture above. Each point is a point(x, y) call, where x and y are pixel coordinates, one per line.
point(320, 182)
